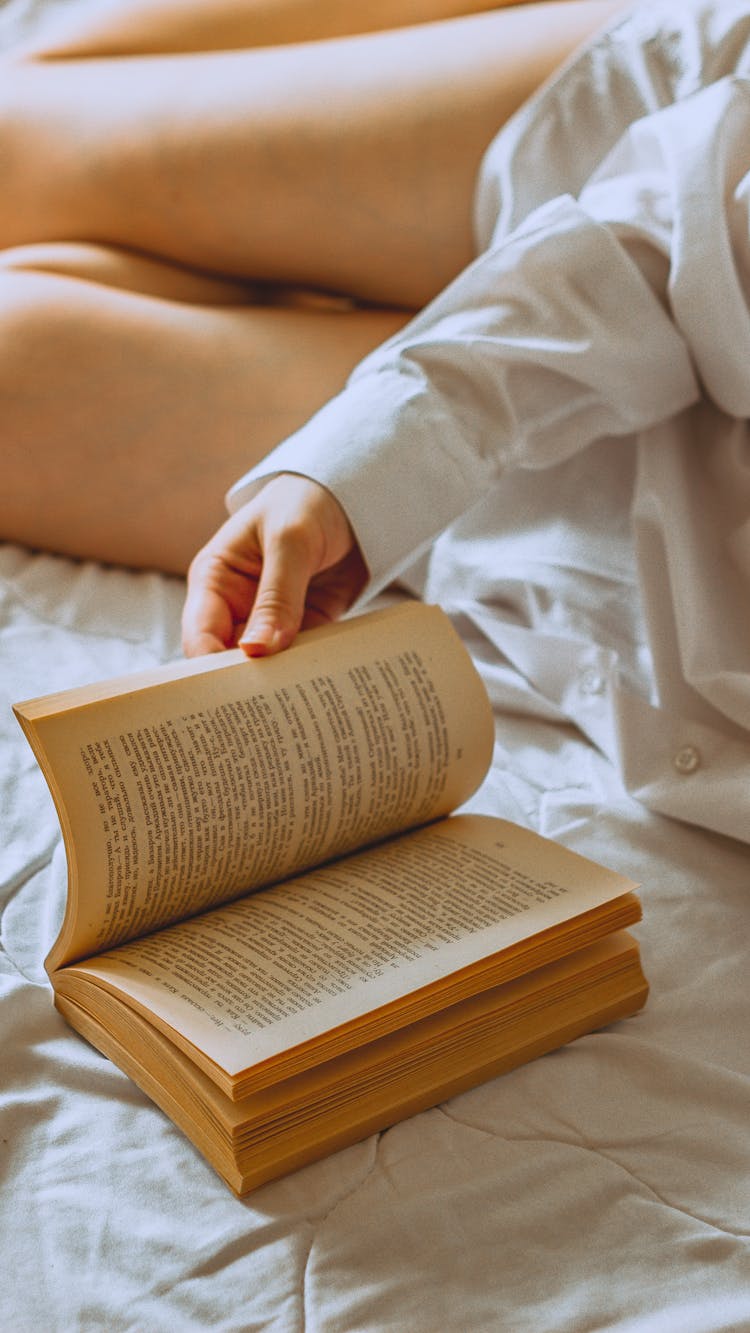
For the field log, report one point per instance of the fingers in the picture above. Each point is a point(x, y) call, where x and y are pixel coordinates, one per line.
point(332, 593)
point(207, 626)
point(285, 560)
point(221, 589)
point(290, 562)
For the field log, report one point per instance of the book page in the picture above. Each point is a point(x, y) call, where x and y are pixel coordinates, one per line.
point(267, 973)
point(184, 793)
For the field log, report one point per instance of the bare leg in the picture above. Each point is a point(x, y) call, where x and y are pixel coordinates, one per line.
point(137, 379)
point(234, 163)
point(143, 27)
point(126, 417)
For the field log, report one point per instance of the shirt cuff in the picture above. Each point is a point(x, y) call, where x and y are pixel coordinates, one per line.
point(364, 447)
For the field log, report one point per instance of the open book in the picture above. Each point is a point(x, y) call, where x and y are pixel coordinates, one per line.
point(274, 924)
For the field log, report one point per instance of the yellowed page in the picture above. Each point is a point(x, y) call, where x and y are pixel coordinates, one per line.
point(184, 789)
point(258, 977)
point(325, 1108)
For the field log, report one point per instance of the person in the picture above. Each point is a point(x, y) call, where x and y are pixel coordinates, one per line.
point(210, 213)
point(554, 446)
point(556, 449)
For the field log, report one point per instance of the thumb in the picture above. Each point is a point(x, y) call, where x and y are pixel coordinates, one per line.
point(279, 605)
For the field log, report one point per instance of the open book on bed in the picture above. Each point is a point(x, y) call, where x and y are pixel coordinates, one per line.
point(276, 926)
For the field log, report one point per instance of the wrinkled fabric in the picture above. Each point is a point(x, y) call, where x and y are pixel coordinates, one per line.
point(571, 413)
point(606, 1186)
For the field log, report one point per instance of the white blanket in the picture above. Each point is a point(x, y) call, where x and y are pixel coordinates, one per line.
point(606, 1186)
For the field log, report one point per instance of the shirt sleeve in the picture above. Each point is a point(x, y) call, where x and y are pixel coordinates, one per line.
point(598, 317)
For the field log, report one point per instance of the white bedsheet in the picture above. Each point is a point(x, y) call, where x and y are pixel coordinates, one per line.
point(606, 1186)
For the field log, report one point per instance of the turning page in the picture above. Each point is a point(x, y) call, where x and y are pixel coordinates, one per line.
point(188, 786)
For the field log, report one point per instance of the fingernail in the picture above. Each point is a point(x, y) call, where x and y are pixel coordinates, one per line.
point(252, 649)
point(260, 640)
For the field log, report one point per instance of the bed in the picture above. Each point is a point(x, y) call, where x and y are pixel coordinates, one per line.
point(603, 1187)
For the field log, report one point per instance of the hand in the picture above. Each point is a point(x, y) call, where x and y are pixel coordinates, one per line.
point(285, 561)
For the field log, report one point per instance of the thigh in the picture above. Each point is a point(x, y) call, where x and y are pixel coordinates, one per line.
point(119, 269)
point(346, 164)
point(127, 416)
point(148, 27)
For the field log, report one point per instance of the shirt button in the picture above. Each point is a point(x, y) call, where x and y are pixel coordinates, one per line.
point(592, 681)
point(687, 759)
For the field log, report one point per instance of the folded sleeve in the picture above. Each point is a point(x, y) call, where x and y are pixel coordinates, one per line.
point(598, 317)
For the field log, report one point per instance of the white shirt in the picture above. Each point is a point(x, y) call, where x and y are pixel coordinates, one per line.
point(562, 435)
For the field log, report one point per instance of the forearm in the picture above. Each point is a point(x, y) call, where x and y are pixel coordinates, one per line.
point(597, 318)
point(552, 340)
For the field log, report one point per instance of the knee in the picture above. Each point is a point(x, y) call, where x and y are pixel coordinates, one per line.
point(37, 329)
point(25, 305)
